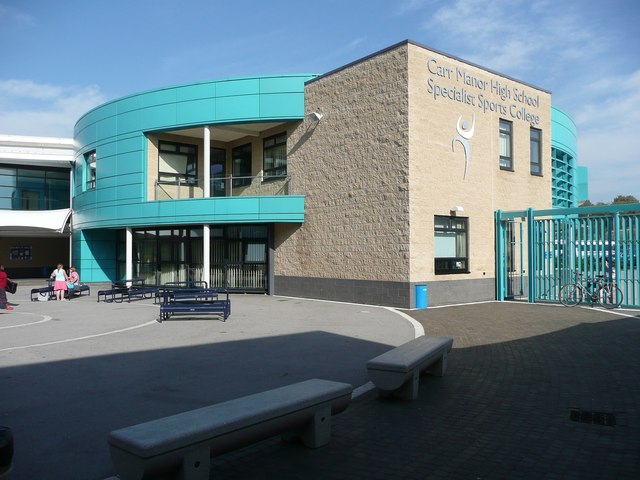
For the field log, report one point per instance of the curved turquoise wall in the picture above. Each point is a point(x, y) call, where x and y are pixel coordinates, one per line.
point(564, 134)
point(564, 139)
point(116, 130)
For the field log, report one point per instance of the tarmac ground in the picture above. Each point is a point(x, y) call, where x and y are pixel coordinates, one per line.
point(531, 391)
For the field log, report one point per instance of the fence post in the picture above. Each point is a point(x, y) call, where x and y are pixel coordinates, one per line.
point(499, 233)
point(531, 257)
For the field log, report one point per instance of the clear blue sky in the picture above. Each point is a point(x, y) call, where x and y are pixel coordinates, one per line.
point(61, 58)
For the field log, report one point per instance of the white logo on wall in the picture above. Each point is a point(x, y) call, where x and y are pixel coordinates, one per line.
point(465, 132)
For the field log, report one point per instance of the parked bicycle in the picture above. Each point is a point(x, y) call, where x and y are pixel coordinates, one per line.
point(599, 290)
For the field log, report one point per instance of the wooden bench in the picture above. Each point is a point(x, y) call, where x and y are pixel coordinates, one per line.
point(397, 372)
point(181, 445)
point(194, 301)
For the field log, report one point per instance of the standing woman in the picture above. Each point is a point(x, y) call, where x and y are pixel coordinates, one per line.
point(3, 292)
point(60, 285)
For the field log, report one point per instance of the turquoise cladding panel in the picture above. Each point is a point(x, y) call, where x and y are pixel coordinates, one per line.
point(116, 131)
point(564, 134)
point(94, 255)
point(196, 211)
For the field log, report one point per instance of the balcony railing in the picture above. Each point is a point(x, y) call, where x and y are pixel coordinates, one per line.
point(225, 187)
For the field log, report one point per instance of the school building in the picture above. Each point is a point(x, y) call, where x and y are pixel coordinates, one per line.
point(373, 183)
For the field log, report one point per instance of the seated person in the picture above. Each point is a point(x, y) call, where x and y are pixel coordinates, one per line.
point(74, 281)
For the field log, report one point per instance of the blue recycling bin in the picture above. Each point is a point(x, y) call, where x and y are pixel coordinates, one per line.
point(421, 296)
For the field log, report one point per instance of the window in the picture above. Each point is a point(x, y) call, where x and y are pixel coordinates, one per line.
point(33, 188)
point(451, 245)
point(275, 156)
point(536, 151)
point(218, 171)
point(177, 163)
point(241, 157)
point(90, 170)
point(506, 135)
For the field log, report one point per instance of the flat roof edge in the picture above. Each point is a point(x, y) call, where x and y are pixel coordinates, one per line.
point(426, 47)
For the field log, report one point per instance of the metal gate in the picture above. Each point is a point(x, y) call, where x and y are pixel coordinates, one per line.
point(515, 265)
point(553, 246)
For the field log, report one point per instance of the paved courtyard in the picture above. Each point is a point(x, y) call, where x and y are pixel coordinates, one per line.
point(531, 391)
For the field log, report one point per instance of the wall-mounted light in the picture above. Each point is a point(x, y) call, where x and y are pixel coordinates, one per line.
point(315, 116)
point(456, 209)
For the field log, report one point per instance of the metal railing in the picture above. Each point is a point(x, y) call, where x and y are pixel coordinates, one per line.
point(228, 186)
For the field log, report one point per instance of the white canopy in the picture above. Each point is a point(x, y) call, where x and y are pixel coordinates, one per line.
point(16, 223)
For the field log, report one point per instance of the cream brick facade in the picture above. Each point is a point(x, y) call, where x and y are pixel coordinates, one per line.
point(355, 166)
point(437, 165)
point(382, 162)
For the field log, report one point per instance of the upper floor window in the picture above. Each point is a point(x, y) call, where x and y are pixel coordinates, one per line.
point(536, 151)
point(90, 170)
point(451, 244)
point(506, 145)
point(177, 163)
point(33, 188)
point(275, 156)
point(241, 165)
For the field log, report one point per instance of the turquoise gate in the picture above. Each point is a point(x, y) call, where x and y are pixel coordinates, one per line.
point(539, 251)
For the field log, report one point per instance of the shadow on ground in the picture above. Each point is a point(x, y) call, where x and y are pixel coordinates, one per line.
point(61, 412)
point(502, 411)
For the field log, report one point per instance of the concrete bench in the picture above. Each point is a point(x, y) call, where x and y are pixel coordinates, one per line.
point(181, 445)
point(6, 450)
point(398, 371)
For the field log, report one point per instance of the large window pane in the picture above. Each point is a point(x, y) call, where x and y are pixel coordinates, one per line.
point(35, 188)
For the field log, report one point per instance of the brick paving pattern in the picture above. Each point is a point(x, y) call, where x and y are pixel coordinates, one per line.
point(502, 411)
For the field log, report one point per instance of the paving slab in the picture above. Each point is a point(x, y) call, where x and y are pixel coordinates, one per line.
point(502, 410)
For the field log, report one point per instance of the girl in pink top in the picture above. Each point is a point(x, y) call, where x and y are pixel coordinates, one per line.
point(60, 285)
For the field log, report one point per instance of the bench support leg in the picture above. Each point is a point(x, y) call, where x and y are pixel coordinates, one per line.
point(409, 391)
point(127, 466)
point(195, 465)
point(318, 431)
point(440, 366)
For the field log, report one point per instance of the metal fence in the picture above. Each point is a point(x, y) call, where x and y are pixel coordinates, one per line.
point(537, 252)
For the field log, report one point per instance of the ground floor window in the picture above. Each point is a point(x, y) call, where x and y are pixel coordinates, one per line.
point(451, 245)
point(167, 255)
point(238, 256)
